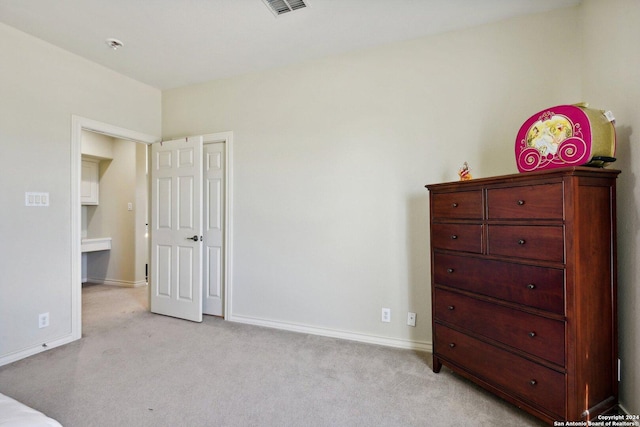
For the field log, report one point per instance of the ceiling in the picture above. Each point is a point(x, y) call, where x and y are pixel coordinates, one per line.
point(173, 43)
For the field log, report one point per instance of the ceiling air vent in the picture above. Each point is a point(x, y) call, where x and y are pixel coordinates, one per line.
point(280, 7)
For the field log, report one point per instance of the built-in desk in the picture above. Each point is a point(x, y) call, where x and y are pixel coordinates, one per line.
point(92, 245)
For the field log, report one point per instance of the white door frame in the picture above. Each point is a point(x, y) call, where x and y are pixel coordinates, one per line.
point(227, 138)
point(78, 124)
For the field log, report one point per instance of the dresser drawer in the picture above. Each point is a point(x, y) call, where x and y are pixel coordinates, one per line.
point(457, 237)
point(530, 381)
point(538, 287)
point(545, 243)
point(533, 334)
point(458, 205)
point(527, 202)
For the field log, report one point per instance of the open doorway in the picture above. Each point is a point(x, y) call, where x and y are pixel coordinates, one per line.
point(114, 213)
point(82, 126)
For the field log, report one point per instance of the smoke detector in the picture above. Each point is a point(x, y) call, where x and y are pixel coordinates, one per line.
point(114, 44)
point(280, 7)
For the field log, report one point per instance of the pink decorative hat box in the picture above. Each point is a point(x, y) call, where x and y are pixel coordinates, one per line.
point(566, 135)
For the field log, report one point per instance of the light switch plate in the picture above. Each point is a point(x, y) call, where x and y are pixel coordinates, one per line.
point(36, 199)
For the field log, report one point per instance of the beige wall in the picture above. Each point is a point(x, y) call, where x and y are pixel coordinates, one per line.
point(611, 76)
point(120, 185)
point(97, 145)
point(42, 87)
point(331, 158)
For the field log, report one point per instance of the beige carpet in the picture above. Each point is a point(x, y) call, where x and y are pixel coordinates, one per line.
point(134, 368)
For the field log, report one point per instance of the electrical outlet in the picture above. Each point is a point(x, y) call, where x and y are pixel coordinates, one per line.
point(411, 319)
point(43, 320)
point(386, 315)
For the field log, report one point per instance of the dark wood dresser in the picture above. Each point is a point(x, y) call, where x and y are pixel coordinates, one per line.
point(523, 273)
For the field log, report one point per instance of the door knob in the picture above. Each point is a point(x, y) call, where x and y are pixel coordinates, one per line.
point(194, 238)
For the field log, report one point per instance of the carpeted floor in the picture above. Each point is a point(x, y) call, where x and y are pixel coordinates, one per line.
point(134, 368)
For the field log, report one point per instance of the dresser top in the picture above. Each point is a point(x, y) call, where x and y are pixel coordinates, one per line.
point(551, 174)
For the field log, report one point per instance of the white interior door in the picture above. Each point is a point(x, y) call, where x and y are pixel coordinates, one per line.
point(176, 235)
point(213, 236)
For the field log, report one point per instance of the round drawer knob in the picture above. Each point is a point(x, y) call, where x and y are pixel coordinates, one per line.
point(532, 334)
point(533, 382)
point(449, 270)
point(531, 286)
point(521, 242)
point(454, 237)
point(520, 202)
point(451, 307)
point(452, 344)
point(454, 205)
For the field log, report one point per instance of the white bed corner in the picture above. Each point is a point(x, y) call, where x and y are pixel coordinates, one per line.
point(16, 414)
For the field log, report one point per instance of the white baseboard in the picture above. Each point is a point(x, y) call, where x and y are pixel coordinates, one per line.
point(334, 333)
point(21, 354)
point(115, 282)
point(424, 346)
